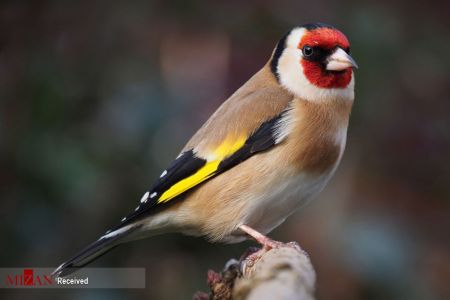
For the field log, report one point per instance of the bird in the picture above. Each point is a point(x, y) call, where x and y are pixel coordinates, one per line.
point(266, 151)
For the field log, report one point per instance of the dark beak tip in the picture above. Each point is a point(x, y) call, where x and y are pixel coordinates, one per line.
point(353, 62)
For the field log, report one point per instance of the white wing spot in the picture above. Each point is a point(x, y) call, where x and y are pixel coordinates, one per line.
point(58, 269)
point(163, 174)
point(123, 219)
point(137, 207)
point(153, 195)
point(115, 232)
point(144, 198)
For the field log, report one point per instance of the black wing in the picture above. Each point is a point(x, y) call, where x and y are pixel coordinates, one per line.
point(188, 164)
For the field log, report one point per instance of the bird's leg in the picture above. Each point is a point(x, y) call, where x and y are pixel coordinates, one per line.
point(265, 241)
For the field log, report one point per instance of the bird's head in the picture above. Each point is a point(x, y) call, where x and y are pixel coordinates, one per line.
point(313, 61)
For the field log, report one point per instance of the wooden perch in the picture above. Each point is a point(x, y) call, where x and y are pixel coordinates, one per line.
point(282, 273)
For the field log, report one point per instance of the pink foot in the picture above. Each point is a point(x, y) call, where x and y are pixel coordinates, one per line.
point(267, 244)
point(265, 241)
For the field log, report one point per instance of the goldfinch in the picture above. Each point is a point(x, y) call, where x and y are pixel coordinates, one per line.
point(267, 150)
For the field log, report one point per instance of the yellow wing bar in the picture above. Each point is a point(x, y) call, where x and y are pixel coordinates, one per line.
point(227, 148)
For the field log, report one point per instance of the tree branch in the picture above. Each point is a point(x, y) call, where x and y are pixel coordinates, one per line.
point(281, 273)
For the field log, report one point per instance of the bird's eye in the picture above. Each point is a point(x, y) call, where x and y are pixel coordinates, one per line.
point(307, 51)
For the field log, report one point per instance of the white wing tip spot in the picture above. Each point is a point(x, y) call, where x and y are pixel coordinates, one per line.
point(58, 269)
point(153, 195)
point(144, 198)
point(137, 207)
point(123, 219)
point(163, 174)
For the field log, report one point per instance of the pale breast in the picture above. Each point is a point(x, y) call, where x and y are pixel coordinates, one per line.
point(265, 212)
point(304, 164)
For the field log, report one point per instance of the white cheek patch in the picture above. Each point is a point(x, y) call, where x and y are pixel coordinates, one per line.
point(292, 76)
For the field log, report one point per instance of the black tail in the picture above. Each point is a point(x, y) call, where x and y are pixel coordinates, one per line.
point(94, 251)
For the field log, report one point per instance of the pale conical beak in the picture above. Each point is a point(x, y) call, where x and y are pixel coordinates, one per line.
point(340, 60)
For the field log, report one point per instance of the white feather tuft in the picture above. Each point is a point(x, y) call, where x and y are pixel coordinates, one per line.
point(284, 126)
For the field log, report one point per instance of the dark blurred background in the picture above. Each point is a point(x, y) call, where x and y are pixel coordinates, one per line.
point(97, 97)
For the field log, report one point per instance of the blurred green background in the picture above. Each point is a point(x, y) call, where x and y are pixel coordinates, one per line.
point(97, 97)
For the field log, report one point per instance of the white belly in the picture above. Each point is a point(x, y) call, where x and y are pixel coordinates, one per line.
point(268, 210)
